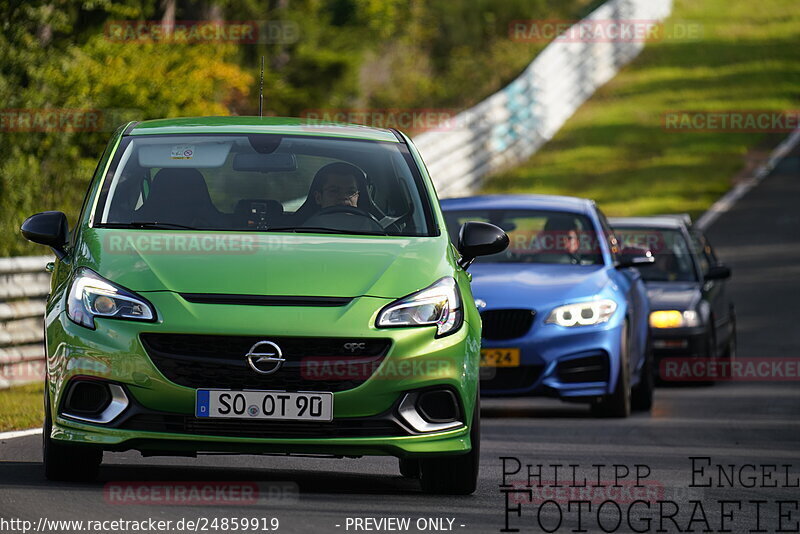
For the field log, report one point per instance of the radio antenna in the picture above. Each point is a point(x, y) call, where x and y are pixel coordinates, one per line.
point(261, 91)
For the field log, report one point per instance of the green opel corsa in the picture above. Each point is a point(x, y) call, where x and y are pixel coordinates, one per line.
point(262, 286)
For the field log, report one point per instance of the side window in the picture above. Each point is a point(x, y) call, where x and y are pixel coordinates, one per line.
point(704, 251)
point(608, 233)
point(709, 251)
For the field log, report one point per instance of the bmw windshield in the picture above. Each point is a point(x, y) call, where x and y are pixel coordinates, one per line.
point(536, 236)
point(264, 182)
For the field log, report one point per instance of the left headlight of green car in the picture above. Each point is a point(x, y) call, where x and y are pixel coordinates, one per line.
point(256, 286)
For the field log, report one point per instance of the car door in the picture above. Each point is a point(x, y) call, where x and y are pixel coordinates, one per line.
point(713, 291)
point(630, 280)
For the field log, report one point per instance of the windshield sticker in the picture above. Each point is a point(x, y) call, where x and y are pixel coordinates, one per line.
point(182, 152)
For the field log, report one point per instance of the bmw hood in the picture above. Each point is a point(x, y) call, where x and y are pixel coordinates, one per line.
point(535, 285)
point(673, 295)
point(265, 264)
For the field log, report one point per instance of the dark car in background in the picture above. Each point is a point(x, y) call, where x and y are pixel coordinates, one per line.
point(691, 312)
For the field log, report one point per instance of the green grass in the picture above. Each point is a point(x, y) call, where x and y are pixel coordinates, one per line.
point(615, 150)
point(21, 407)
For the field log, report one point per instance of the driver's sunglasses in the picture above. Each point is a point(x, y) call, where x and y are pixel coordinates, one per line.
point(346, 193)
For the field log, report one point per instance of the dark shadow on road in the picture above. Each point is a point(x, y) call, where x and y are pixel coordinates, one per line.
point(537, 412)
point(31, 474)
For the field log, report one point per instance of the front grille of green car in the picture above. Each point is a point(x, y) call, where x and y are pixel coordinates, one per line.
point(216, 361)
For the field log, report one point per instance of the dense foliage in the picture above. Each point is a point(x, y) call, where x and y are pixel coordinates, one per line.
point(340, 54)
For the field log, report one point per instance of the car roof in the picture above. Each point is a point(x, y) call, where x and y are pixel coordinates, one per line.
point(532, 202)
point(660, 221)
point(259, 125)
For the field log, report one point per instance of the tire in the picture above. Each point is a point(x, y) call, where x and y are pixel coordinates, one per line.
point(73, 463)
point(618, 404)
point(642, 395)
point(730, 349)
point(454, 475)
point(409, 468)
point(710, 353)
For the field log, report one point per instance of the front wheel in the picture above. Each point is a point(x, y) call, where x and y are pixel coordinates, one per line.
point(730, 349)
point(409, 468)
point(66, 462)
point(618, 404)
point(454, 475)
point(642, 396)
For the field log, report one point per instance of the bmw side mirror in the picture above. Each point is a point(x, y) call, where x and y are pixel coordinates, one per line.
point(634, 257)
point(479, 239)
point(718, 272)
point(48, 228)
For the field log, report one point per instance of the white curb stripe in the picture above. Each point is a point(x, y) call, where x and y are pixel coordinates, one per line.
point(729, 199)
point(20, 433)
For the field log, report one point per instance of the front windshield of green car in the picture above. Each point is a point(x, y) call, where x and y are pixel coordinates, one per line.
point(673, 258)
point(264, 182)
point(554, 237)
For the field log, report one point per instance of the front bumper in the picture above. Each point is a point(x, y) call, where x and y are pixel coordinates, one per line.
point(545, 353)
point(679, 342)
point(114, 353)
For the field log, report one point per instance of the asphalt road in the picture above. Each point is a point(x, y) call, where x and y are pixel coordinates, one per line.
point(732, 423)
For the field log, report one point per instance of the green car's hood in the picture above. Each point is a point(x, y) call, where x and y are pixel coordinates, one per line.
point(265, 264)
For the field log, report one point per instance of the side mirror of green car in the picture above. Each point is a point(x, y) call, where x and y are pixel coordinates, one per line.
point(48, 228)
point(479, 239)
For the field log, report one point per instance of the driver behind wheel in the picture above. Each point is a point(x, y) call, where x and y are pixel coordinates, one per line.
point(339, 186)
point(336, 184)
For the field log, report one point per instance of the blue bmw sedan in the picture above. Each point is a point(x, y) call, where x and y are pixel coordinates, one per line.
point(564, 310)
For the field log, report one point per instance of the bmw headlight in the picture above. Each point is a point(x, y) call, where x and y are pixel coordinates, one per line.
point(674, 319)
point(91, 295)
point(583, 313)
point(438, 304)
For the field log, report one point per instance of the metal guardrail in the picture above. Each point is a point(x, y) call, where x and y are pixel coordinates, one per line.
point(510, 126)
point(24, 285)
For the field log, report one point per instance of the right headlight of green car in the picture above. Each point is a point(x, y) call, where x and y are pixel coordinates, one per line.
point(253, 286)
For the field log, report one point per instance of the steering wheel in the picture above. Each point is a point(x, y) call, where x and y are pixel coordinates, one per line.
point(346, 215)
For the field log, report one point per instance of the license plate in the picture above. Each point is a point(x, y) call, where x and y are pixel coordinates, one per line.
point(499, 357)
point(278, 405)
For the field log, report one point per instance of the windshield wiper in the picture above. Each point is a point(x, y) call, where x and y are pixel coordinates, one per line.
point(150, 224)
point(321, 229)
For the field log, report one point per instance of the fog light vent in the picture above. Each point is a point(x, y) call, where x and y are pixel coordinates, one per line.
point(592, 368)
point(431, 411)
point(94, 401)
point(87, 397)
point(438, 406)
